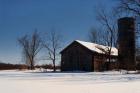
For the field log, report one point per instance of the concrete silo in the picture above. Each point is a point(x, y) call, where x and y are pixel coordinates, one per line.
point(126, 43)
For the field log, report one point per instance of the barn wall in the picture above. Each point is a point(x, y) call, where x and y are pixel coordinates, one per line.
point(76, 58)
point(98, 63)
point(101, 63)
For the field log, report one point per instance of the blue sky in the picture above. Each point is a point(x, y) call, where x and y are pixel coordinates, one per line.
point(72, 18)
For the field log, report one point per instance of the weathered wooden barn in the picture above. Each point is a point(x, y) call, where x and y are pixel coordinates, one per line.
point(86, 56)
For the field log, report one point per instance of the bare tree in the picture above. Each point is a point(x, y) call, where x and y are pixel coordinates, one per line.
point(94, 35)
point(31, 45)
point(129, 6)
point(53, 44)
point(107, 33)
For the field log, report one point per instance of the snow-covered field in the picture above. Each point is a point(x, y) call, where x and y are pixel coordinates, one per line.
point(93, 82)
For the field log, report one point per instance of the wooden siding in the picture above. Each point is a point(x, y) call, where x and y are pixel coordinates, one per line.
point(76, 58)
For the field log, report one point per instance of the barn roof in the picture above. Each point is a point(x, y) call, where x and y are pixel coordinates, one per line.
point(97, 48)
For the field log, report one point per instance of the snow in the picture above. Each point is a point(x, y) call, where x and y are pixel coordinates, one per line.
point(93, 82)
point(98, 48)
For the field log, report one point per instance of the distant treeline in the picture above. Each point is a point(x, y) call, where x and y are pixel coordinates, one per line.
point(8, 66)
point(47, 66)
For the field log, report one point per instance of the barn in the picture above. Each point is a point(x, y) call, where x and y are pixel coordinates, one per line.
point(87, 56)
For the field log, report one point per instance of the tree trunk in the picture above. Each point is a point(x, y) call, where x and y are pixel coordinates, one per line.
point(32, 65)
point(54, 60)
point(54, 67)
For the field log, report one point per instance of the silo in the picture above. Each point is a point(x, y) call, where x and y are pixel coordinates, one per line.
point(126, 43)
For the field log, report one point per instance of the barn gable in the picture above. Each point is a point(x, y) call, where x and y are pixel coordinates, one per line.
point(77, 44)
point(94, 47)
